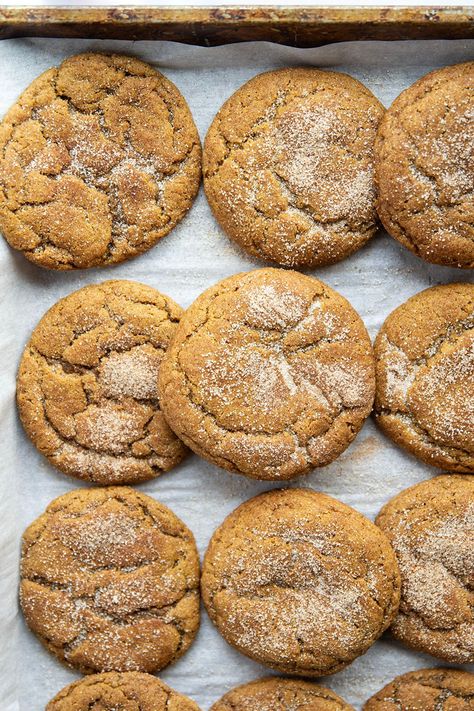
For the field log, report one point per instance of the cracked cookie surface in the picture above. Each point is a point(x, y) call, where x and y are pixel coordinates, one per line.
point(426, 690)
point(109, 580)
point(431, 527)
point(270, 374)
point(99, 159)
point(127, 691)
point(288, 166)
point(424, 360)
point(275, 694)
point(300, 582)
point(424, 167)
point(87, 384)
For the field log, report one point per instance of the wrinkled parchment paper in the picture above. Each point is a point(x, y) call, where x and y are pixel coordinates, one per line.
point(195, 255)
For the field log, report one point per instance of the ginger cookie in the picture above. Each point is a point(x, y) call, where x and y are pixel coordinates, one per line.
point(274, 694)
point(298, 581)
point(109, 581)
point(270, 374)
point(426, 690)
point(127, 691)
point(424, 167)
point(431, 527)
point(87, 388)
point(424, 357)
point(99, 159)
point(288, 166)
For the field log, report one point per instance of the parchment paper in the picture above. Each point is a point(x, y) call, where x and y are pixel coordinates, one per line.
point(195, 255)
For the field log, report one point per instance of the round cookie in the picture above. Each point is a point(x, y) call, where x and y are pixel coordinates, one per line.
point(288, 166)
point(426, 690)
point(127, 691)
point(298, 581)
point(99, 159)
point(431, 528)
point(274, 694)
point(269, 374)
point(424, 167)
point(424, 357)
point(109, 581)
point(87, 384)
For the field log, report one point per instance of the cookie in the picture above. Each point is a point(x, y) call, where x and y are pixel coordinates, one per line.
point(269, 374)
point(288, 166)
point(87, 384)
point(426, 690)
point(127, 691)
point(300, 582)
point(424, 167)
point(424, 357)
point(431, 527)
point(275, 694)
point(99, 159)
point(109, 581)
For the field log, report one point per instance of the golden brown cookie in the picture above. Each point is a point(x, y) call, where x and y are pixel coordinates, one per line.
point(269, 374)
point(426, 690)
point(431, 527)
point(300, 582)
point(99, 159)
point(424, 157)
point(87, 383)
point(274, 694)
point(110, 581)
point(125, 691)
point(288, 166)
point(424, 357)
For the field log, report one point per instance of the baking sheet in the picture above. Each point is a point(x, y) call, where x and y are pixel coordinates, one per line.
point(195, 255)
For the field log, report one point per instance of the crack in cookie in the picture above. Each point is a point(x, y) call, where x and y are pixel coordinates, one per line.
point(99, 159)
point(107, 586)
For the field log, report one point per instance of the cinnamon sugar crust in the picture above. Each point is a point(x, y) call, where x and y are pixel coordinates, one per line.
point(276, 694)
point(288, 166)
point(99, 159)
point(87, 384)
point(270, 374)
point(431, 527)
point(109, 580)
point(426, 690)
point(300, 582)
point(424, 167)
point(424, 356)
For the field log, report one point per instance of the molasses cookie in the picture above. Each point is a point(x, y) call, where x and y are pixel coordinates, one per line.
point(270, 374)
point(426, 690)
point(127, 691)
point(99, 159)
point(431, 527)
point(109, 581)
point(300, 582)
point(424, 155)
point(424, 356)
point(288, 166)
point(87, 384)
point(275, 694)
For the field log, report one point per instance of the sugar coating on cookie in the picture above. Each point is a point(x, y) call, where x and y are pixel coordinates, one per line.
point(288, 166)
point(426, 690)
point(270, 374)
point(274, 694)
point(127, 691)
point(424, 356)
point(300, 582)
point(431, 527)
point(109, 580)
point(425, 167)
point(87, 384)
point(99, 159)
